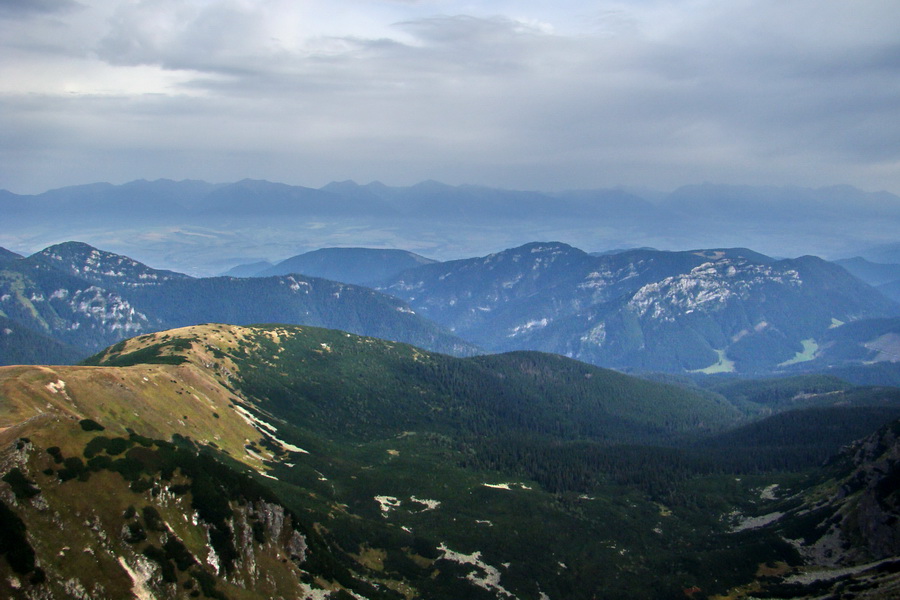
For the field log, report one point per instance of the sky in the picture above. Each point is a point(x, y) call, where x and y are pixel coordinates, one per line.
point(520, 94)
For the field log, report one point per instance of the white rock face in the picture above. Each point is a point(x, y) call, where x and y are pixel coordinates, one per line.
point(387, 504)
point(488, 578)
point(706, 288)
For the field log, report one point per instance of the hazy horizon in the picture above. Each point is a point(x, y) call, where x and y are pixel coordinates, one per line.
point(205, 229)
point(645, 192)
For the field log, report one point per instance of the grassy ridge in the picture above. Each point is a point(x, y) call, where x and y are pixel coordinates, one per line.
point(424, 475)
point(366, 388)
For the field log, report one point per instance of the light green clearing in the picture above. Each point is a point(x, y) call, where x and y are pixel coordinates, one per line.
point(723, 366)
point(835, 323)
point(810, 347)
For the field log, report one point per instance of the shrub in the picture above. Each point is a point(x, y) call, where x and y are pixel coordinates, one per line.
point(21, 486)
point(56, 453)
point(13, 542)
point(177, 552)
point(153, 519)
point(91, 425)
point(73, 467)
point(134, 532)
point(158, 556)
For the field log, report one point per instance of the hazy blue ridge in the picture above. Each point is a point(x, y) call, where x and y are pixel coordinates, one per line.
point(89, 299)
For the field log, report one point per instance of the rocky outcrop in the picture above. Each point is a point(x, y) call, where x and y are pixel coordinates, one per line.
point(870, 515)
point(860, 522)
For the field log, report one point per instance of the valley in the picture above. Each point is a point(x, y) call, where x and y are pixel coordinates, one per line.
point(536, 423)
point(205, 229)
point(418, 300)
point(281, 461)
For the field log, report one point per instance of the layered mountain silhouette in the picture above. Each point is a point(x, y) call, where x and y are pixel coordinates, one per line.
point(225, 224)
point(709, 311)
point(360, 266)
point(718, 310)
point(87, 299)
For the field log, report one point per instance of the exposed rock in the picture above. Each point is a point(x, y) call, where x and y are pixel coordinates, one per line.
point(863, 520)
point(297, 547)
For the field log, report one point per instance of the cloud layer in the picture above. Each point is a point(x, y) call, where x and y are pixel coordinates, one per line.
point(517, 94)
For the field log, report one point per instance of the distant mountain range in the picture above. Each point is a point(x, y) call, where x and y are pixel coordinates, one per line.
point(259, 198)
point(720, 310)
point(888, 253)
point(704, 311)
point(884, 277)
point(360, 266)
point(203, 228)
point(87, 299)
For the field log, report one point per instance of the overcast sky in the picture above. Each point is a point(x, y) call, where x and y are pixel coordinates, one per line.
point(524, 94)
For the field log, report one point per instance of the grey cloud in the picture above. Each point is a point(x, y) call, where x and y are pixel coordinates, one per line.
point(220, 38)
point(495, 101)
point(464, 29)
point(25, 8)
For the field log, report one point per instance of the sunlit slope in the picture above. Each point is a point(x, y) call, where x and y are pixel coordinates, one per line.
point(155, 401)
point(114, 482)
point(284, 461)
point(339, 384)
point(97, 500)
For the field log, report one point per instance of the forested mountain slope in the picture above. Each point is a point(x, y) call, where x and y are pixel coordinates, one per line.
point(88, 299)
point(257, 462)
point(20, 345)
point(718, 310)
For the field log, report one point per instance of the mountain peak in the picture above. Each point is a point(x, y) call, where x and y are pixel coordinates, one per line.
point(72, 247)
point(83, 260)
point(350, 265)
point(544, 248)
point(733, 253)
point(431, 184)
point(340, 185)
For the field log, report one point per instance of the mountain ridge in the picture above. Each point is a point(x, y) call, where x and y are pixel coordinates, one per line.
point(89, 299)
point(710, 310)
point(626, 310)
point(444, 221)
point(359, 266)
point(255, 462)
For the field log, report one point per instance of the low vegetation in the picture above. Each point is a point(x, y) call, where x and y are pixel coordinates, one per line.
point(287, 461)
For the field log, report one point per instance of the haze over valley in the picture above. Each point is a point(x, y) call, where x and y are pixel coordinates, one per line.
point(205, 229)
